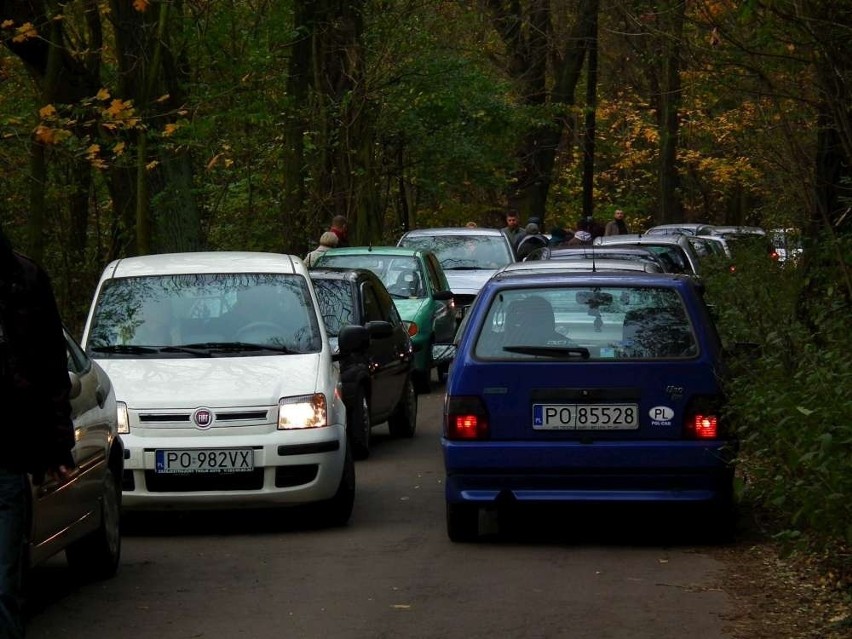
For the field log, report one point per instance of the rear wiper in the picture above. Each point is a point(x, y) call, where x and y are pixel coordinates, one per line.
point(466, 268)
point(125, 348)
point(550, 351)
point(237, 346)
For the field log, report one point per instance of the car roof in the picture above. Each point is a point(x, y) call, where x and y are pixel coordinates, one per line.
point(347, 274)
point(738, 230)
point(635, 238)
point(506, 278)
point(590, 251)
point(397, 251)
point(589, 265)
point(204, 262)
point(453, 230)
point(694, 227)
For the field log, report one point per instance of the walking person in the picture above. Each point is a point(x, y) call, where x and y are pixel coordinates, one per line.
point(327, 241)
point(38, 435)
point(617, 225)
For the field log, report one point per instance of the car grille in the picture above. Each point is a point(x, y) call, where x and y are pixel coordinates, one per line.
point(221, 419)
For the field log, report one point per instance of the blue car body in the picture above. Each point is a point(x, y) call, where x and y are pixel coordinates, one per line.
point(584, 414)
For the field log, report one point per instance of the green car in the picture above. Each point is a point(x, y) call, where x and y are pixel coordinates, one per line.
point(422, 296)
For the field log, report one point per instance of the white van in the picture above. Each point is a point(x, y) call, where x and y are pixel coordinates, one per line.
point(227, 388)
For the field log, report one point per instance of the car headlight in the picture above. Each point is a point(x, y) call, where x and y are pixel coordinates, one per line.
point(123, 419)
point(302, 411)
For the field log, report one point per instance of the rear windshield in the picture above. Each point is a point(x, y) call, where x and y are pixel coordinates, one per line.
point(401, 275)
point(336, 303)
point(602, 323)
point(463, 252)
point(205, 314)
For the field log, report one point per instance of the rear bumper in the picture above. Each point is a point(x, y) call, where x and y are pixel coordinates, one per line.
point(486, 472)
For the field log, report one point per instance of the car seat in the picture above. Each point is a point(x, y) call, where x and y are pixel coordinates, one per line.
point(531, 322)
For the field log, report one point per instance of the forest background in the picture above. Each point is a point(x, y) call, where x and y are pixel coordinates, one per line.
point(144, 126)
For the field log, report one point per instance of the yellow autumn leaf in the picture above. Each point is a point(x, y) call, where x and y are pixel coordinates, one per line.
point(93, 150)
point(228, 163)
point(47, 112)
point(162, 98)
point(7, 24)
point(152, 165)
point(103, 95)
point(44, 134)
point(170, 129)
point(118, 149)
point(115, 108)
point(140, 5)
point(25, 32)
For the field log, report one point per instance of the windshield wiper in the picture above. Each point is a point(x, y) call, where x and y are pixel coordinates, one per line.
point(238, 346)
point(125, 348)
point(466, 268)
point(550, 351)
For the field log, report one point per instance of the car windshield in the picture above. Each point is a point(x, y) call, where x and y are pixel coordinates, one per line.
point(204, 315)
point(336, 304)
point(463, 252)
point(600, 323)
point(401, 275)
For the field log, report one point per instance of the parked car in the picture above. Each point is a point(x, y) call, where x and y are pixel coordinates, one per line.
point(684, 228)
point(469, 256)
point(226, 383)
point(82, 515)
point(594, 253)
point(419, 288)
point(787, 243)
point(377, 383)
point(674, 249)
point(586, 388)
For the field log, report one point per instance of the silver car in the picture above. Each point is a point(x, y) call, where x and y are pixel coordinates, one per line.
point(81, 516)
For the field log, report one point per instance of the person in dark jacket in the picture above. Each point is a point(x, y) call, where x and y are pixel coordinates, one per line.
point(37, 431)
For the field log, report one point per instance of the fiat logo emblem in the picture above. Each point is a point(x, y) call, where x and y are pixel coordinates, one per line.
point(203, 418)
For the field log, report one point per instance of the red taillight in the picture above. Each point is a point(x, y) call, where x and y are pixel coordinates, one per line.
point(411, 327)
point(465, 418)
point(706, 426)
point(774, 256)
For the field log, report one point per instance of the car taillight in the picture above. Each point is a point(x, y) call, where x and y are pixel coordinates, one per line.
point(702, 419)
point(774, 256)
point(706, 426)
point(411, 327)
point(465, 418)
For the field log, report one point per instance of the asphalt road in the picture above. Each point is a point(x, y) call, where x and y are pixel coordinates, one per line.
point(393, 573)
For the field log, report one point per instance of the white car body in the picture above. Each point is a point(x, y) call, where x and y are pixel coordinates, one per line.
point(228, 404)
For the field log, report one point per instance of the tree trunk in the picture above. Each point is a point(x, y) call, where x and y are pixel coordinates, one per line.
point(671, 205)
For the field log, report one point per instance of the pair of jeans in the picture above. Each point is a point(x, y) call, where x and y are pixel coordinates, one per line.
point(13, 521)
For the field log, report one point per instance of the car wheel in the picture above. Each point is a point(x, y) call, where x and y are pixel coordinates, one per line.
point(442, 371)
point(403, 421)
point(358, 421)
point(97, 554)
point(337, 510)
point(462, 522)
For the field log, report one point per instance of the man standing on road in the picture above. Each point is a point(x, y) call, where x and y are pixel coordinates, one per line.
point(512, 230)
point(617, 225)
point(38, 434)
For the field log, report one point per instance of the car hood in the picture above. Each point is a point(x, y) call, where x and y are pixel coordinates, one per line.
point(468, 282)
point(409, 308)
point(216, 381)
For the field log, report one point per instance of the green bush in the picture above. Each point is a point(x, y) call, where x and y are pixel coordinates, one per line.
point(791, 405)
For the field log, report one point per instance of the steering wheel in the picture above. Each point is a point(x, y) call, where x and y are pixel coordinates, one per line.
point(266, 329)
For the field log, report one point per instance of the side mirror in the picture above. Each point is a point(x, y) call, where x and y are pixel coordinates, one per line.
point(443, 296)
point(353, 339)
point(76, 385)
point(379, 328)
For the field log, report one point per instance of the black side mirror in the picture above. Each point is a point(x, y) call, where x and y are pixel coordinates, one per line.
point(353, 339)
point(379, 328)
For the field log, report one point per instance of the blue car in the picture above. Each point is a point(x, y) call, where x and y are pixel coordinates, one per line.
point(586, 388)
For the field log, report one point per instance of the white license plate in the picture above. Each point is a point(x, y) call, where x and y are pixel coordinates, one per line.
point(205, 460)
point(585, 416)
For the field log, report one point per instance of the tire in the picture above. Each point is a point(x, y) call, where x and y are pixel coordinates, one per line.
point(335, 512)
point(359, 426)
point(462, 522)
point(423, 378)
point(403, 421)
point(97, 555)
